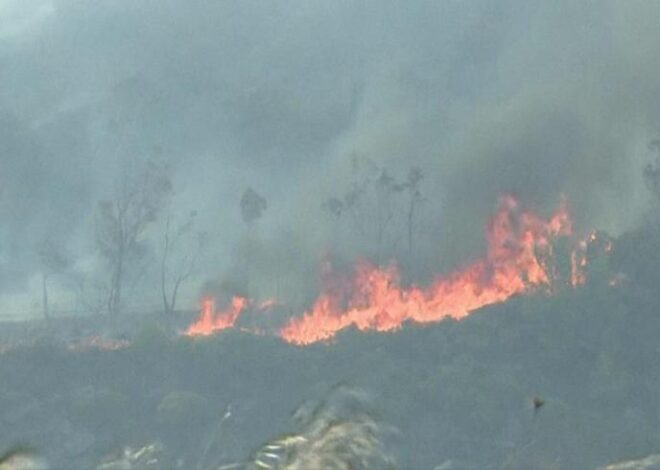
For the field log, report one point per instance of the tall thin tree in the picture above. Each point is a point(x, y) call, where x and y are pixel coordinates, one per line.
point(121, 222)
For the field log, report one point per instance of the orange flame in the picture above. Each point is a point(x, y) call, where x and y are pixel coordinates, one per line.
point(518, 244)
point(211, 321)
point(519, 258)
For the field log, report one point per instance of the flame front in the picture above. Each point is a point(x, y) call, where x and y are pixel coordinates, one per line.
point(518, 244)
point(519, 258)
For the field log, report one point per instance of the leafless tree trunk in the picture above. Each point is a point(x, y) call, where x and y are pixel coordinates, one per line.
point(122, 221)
point(415, 200)
point(415, 177)
point(114, 301)
point(185, 266)
point(252, 207)
point(53, 260)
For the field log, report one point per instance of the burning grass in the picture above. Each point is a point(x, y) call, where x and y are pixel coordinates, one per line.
point(522, 256)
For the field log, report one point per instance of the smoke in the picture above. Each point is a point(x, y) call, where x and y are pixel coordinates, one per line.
point(514, 97)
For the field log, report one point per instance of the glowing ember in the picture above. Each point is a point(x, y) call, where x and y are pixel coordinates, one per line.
point(211, 321)
point(578, 264)
point(518, 244)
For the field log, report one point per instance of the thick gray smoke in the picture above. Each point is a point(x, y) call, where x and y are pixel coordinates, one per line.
point(532, 98)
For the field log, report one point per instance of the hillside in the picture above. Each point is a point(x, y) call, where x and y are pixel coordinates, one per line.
point(454, 391)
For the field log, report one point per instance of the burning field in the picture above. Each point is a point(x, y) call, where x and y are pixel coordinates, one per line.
point(502, 364)
point(526, 253)
point(329, 235)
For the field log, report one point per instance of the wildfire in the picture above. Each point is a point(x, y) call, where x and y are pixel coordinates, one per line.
point(579, 263)
point(211, 321)
point(519, 245)
point(519, 258)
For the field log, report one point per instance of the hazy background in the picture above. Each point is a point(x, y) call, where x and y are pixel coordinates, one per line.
point(534, 98)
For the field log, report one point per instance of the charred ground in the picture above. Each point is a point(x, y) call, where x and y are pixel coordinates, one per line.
point(462, 391)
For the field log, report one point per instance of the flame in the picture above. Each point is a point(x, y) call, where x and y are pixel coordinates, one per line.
point(519, 258)
point(519, 243)
point(211, 321)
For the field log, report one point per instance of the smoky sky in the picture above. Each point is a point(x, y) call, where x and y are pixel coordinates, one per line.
point(537, 99)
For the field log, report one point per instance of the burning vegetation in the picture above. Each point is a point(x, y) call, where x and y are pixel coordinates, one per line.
point(211, 321)
point(525, 253)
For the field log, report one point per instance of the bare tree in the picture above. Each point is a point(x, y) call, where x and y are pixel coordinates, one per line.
point(376, 206)
point(385, 189)
point(176, 271)
point(412, 186)
point(54, 260)
point(121, 222)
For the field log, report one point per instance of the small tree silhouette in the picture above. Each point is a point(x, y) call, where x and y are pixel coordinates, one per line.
point(54, 260)
point(121, 222)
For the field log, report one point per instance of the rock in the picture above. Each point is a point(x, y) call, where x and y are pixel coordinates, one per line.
point(144, 458)
point(652, 462)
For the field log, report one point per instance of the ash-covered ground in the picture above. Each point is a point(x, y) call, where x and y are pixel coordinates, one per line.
point(537, 382)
